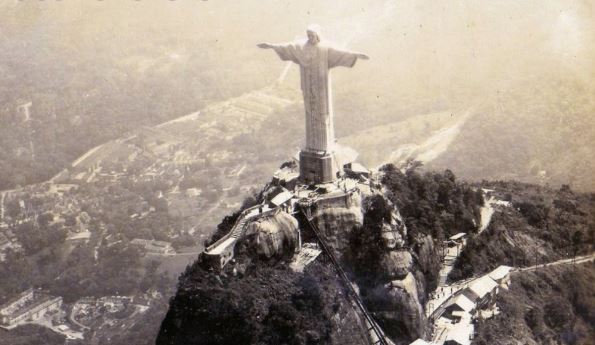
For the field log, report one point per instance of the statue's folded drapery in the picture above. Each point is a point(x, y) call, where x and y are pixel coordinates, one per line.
point(315, 62)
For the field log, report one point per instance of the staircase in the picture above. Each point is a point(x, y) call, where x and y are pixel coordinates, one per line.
point(222, 250)
point(238, 229)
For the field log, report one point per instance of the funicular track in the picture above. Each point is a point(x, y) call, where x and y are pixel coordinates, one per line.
point(372, 326)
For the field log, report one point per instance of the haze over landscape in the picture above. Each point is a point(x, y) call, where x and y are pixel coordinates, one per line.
point(154, 120)
point(95, 70)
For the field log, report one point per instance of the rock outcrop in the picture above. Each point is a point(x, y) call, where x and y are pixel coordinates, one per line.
point(273, 235)
point(336, 224)
point(397, 264)
point(409, 315)
point(427, 256)
point(393, 260)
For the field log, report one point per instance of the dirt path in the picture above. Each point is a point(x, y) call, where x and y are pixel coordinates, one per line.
point(72, 319)
point(433, 146)
point(487, 211)
point(571, 261)
point(443, 292)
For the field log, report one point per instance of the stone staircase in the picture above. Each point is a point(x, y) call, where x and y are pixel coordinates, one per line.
point(238, 229)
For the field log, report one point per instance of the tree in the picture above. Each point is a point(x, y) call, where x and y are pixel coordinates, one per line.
point(44, 220)
point(577, 241)
point(13, 209)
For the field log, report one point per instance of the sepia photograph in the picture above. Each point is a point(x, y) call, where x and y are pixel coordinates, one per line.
point(297, 172)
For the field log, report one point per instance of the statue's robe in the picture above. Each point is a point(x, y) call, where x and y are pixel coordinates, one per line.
point(315, 62)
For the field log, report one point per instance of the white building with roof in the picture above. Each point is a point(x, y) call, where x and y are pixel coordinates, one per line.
point(458, 236)
point(154, 246)
point(482, 291)
point(458, 239)
point(282, 199)
point(29, 305)
point(458, 337)
point(458, 307)
point(501, 275)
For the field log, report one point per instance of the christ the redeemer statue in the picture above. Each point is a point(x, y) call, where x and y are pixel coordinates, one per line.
point(317, 163)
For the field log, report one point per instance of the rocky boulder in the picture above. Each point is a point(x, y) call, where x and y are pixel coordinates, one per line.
point(273, 235)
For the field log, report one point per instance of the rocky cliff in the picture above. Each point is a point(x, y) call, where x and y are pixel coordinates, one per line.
point(337, 223)
point(386, 241)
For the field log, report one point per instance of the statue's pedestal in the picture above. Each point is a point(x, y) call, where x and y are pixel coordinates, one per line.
point(317, 168)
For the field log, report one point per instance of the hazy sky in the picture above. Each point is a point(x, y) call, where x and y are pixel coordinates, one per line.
point(449, 52)
point(440, 38)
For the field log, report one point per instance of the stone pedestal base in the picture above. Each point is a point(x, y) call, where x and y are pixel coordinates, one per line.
point(317, 168)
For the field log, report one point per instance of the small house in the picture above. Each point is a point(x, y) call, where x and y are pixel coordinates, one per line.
point(458, 306)
point(501, 275)
point(355, 169)
point(482, 291)
point(282, 200)
point(458, 239)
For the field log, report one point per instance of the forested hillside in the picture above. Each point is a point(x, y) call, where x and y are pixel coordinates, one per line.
point(553, 305)
point(543, 225)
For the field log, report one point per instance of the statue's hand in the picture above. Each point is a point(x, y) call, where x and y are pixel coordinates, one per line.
point(264, 45)
point(363, 57)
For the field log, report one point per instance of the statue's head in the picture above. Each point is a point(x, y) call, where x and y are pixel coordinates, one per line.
point(313, 32)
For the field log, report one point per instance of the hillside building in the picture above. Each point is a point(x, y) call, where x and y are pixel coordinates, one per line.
point(282, 200)
point(482, 291)
point(501, 275)
point(154, 247)
point(459, 239)
point(29, 305)
point(458, 307)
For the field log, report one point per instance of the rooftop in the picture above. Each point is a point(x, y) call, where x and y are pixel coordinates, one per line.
point(482, 286)
point(460, 333)
point(500, 272)
point(462, 301)
point(458, 236)
point(420, 342)
point(281, 198)
point(16, 298)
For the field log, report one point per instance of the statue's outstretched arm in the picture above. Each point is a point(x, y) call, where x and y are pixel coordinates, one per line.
point(344, 58)
point(285, 51)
